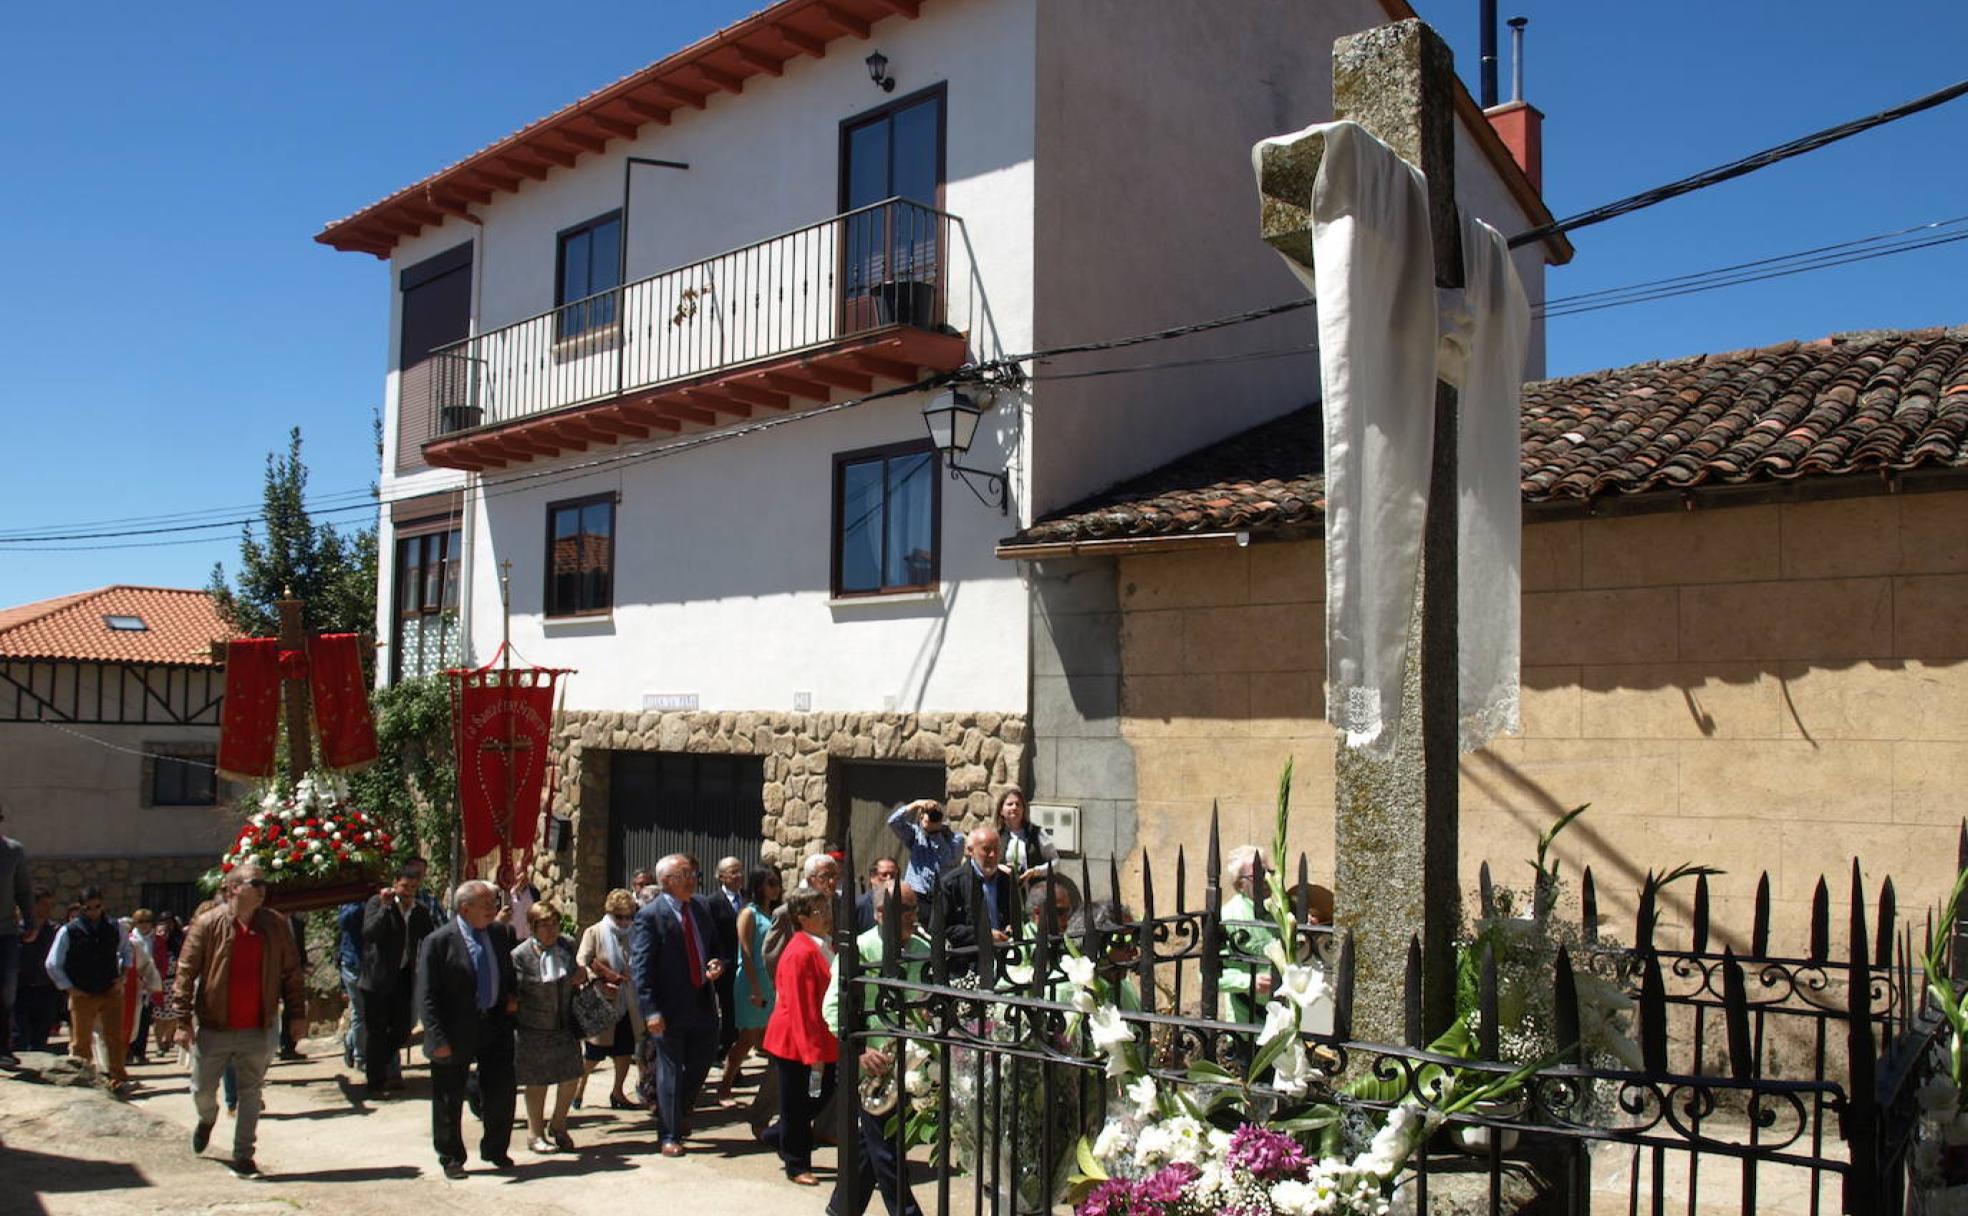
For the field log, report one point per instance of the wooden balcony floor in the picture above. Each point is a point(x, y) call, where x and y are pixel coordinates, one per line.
point(787, 384)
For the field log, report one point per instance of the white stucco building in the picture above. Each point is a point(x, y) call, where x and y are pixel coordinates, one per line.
point(653, 355)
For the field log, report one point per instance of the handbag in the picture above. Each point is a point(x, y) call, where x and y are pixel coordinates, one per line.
point(594, 1010)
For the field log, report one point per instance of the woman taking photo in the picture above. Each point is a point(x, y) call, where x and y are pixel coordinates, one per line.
point(604, 953)
point(1028, 848)
point(548, 1049)
point(753, 985)
point(797, 1037)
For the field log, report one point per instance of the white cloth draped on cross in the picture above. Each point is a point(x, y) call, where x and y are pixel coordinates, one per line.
point(1386, 335)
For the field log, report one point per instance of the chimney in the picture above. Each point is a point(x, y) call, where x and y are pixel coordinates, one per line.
point(1518, 123)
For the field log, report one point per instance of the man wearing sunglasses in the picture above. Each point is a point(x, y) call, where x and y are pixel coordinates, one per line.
point(238, 961)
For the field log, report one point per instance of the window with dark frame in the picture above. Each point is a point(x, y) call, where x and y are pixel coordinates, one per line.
point(887, 520)
point(589, 262)
point(425, 627)
point(184, 776)
point(581, 557)
point(890, 259)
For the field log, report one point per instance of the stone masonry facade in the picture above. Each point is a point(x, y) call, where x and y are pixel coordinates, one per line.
point(982, 753)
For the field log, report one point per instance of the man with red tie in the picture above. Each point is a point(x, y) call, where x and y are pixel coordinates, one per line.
point(673, 955)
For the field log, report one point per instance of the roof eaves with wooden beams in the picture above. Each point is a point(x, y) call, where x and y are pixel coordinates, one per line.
point(761, 44)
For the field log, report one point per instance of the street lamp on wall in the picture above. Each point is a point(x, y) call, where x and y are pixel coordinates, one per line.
point(951, 417)
point(878, 72)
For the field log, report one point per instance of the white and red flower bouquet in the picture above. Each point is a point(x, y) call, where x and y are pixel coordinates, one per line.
point(310, 846)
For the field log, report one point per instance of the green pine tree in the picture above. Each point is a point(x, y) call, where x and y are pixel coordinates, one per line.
point(333, 574)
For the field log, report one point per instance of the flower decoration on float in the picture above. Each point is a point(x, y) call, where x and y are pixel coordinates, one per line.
point(315, 834)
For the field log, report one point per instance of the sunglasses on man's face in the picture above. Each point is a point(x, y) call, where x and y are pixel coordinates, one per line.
point(258, 884)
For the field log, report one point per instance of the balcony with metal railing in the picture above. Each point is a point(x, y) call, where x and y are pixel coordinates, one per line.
point(886, 293)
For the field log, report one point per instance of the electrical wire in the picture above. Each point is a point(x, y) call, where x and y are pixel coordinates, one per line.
point(1740, 167)
point(27, 542)
point(1932, 225)
point(1739, 280)
point(187, 761)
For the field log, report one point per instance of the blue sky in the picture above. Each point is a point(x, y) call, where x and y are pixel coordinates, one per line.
point(166, 316)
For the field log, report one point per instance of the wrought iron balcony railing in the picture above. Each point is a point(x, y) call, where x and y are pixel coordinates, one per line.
point(892, 264)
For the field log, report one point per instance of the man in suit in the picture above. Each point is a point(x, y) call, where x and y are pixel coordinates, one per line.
point(725, 901)
point(993, 886)
point(466, 995)
point(394, 926)
point(673, 956)
point(881, 876)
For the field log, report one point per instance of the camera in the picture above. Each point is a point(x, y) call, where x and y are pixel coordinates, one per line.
point(933, 814)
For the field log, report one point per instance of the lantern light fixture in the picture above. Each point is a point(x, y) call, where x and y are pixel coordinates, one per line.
point(878, 72)
point(951, 416)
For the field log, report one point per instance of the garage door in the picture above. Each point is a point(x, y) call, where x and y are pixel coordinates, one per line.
point(665, 802)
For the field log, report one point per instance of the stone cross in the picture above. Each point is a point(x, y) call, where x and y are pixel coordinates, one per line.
point(1396, 819)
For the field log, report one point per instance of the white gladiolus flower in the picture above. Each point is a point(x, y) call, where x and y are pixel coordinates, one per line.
point(1938, 1096)
point(1956, 1132)
point(1306, 986)
point(1146, 1098)
point(1078, 969)
point(1279, 1018)
point(1110, 1033)
point(1292, 1074)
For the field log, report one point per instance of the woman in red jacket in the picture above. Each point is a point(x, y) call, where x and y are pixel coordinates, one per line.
point(798, 1038)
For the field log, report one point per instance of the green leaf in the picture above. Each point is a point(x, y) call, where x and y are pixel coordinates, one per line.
point(1209, 1072)
point(1314, 1119)
point(1089, 1166)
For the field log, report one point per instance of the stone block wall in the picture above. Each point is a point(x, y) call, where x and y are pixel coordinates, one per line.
point(121, 878)
point(982, 752)
point(1775, 687)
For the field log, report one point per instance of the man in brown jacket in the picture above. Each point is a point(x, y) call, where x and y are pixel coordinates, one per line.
point(238, 961)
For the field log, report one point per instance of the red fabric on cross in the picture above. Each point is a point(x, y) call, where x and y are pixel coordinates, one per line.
point(341, 701)
point(252, 708)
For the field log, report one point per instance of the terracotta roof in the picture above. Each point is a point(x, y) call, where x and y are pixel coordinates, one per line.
point(179, 627)
point(761, 43)
point(1848, 404)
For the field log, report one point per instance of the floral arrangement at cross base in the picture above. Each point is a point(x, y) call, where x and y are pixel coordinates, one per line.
point(313, 838)
point(1162, 1153)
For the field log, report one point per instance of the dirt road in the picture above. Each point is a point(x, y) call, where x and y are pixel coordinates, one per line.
point(68, 1150)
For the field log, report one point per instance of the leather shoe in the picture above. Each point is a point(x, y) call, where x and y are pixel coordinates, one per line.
point(200, 1137)
point(672, 1148)
point(244, 1167)
point(501, 1162)
point(453, 1170)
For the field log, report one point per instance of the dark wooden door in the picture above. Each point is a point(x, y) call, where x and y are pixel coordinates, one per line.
point(664, 802)
point(870, 792)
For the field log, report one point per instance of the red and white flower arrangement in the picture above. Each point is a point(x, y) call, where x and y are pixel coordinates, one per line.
point(314, 834)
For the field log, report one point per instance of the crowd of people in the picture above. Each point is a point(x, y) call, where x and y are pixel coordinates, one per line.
point(680, 974)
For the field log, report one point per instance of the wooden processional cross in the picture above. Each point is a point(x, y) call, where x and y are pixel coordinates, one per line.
point(1395, 819)
point(294, 688)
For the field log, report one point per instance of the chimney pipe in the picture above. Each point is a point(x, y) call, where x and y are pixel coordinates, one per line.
point(1488, 21)
point(1517, 25)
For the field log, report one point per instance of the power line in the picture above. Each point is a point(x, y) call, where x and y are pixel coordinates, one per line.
point(1739, 280)
point(1740, 167)
point(1930, 226)
point(16, 541)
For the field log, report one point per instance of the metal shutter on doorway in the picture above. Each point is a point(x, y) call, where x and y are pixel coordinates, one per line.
point(665, 802)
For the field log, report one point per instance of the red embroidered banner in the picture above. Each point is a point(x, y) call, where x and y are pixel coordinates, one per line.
point(504, 721)
point(252, 708)
point(341, 701)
